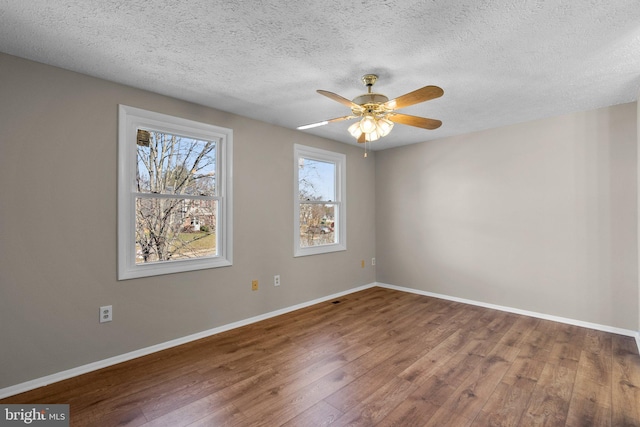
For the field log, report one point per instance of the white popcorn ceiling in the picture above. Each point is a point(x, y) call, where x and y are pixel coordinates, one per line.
point(499, 62)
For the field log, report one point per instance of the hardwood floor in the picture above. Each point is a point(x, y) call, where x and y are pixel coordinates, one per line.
point(378, 357)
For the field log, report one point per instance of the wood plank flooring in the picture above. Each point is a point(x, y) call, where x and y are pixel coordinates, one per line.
point(378, 357)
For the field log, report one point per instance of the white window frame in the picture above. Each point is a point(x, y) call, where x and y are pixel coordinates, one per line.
point(129, 120)
point(340, 160)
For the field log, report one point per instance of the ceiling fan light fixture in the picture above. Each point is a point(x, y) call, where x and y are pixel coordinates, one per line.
point(384, 126)
point(368, 124)
point(372, 136)
point(354, 130)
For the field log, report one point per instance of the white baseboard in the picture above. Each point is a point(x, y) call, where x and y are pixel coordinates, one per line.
point(53, 378)
point(596, 326)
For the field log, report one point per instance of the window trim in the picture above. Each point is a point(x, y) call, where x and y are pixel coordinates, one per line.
point(340, 160)
point(129, 120)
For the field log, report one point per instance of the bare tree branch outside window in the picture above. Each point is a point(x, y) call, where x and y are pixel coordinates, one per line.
point(176, 206)
point(316, 187)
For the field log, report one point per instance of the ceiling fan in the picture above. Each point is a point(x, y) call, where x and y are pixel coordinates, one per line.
point(377, 113)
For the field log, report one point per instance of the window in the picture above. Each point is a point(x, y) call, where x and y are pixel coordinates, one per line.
point(174, 194)
point(319, 201)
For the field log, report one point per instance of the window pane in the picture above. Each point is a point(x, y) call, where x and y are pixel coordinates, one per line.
point(316, 180)
point(317, 224)
point(171, 164)
point(172, 229)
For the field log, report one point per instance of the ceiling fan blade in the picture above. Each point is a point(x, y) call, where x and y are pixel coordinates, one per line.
point(325, 122)
point(342, 100)
point(421, 122)
point(420, 95)
point(361, 139)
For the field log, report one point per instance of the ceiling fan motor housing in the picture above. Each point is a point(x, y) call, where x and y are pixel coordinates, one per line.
point(371, 103)
point(370, 98)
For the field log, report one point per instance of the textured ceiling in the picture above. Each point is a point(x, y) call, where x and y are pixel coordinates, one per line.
point(499, 62)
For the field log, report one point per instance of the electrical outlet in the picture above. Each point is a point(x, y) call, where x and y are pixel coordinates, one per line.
point(254, 285)
point(106, 313)
point(276, 280)
point(373, 261)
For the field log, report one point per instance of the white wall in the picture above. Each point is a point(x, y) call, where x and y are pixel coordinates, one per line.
point(539, 216)
point(58, 147)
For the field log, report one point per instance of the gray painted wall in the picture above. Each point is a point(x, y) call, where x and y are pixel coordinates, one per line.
point(58, 147)
point(539, 216)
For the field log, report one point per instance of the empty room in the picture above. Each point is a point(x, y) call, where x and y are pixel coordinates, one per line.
point(268, 213)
